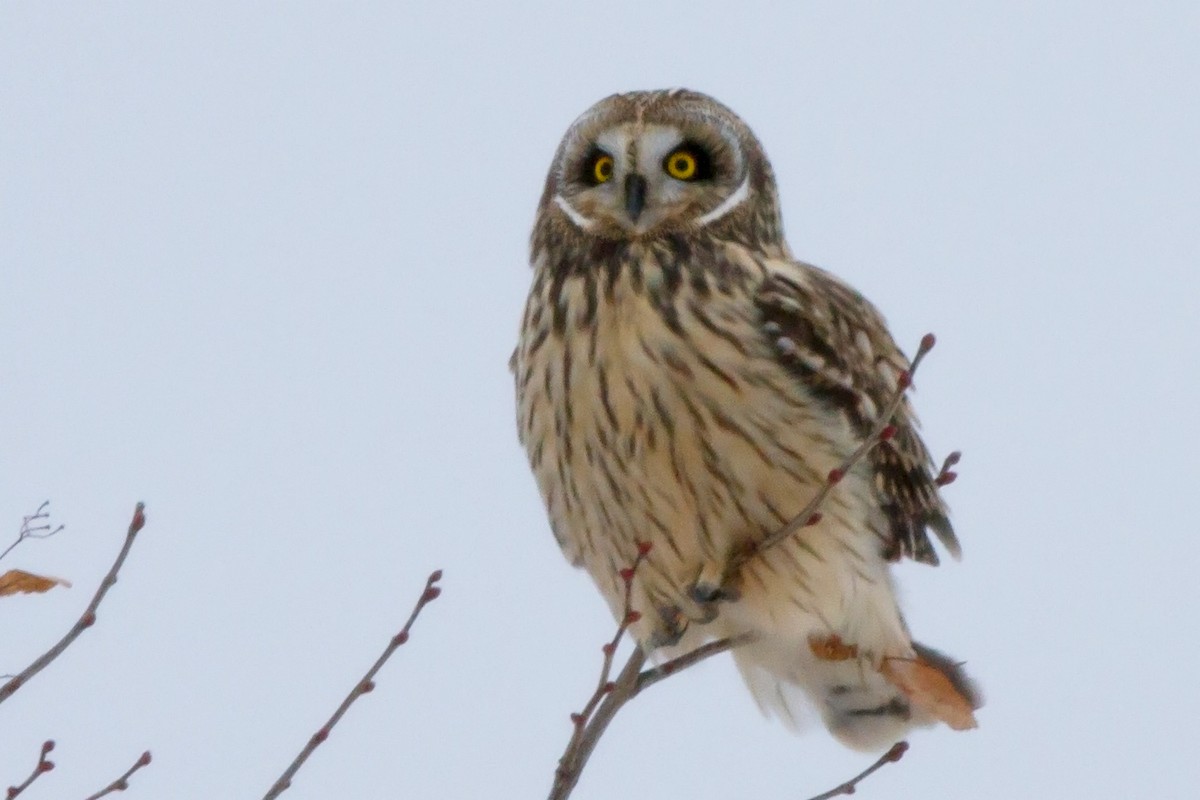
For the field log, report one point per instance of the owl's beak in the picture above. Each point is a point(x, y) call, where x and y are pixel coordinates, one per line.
point(635, 195)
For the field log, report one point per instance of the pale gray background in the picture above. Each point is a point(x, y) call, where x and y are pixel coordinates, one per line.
point(261, 266)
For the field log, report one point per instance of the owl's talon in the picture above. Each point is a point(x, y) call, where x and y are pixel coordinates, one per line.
point(674, 624)
point(787, 347)
point(704, 592)
point(709, 586)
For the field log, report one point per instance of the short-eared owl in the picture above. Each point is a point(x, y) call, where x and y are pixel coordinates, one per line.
point(682, 380)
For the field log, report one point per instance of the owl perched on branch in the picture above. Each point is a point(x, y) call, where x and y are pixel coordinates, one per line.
point(682, 380)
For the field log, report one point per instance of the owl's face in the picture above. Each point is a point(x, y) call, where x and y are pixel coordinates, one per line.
point(644, 163)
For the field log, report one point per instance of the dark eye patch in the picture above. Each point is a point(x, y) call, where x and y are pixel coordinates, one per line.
point(704, 160)
point(587, 169)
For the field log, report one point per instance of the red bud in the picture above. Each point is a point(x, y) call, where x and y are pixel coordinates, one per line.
point(904, 380)
point(47, 746)
point(632, 617)
point(835, 475)
point(607, 649)
point(814, 519)
point(946, 478)
point(89, 619)
point(887, 433)
point(321, 735)
point(928, 341)
point(608, 687)
point(366, 686)
point(145, 759)
point(45, 766)
point(626, 574)
point(644, 548)
point(436, 576)
point(577, 718)
point(400, 638)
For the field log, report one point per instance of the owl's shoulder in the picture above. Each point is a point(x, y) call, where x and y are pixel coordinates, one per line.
point(838, 347)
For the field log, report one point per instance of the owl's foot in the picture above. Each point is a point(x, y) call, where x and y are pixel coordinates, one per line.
point(673, 625)
point(712, 586)
point(705, 592)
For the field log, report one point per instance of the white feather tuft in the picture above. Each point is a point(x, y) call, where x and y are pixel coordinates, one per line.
point(579, 219)
point(733, 201)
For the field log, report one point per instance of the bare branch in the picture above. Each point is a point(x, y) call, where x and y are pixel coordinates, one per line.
point(676, 665)
point(122, 783)
point(881, 432)
point(43, 766)
point(366, 684)
point(587, 734)
point(89, 615)
point(610, 696)
point(35, 526)
point(604, 686)
point(894, 753)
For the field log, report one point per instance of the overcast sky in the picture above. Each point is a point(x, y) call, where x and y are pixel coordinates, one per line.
point(261, 266)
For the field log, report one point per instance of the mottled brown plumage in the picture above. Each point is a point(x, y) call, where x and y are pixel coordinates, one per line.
point(681, 379)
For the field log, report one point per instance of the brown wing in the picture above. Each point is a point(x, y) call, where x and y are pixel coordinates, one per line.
point(836, 343)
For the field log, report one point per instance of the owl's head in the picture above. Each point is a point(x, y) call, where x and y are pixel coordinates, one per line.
point(643, 164)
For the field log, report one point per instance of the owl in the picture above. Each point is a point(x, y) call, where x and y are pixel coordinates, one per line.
point(682, 380)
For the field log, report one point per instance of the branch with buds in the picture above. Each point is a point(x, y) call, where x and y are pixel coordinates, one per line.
point(894, 754)
point(611, 695)
point(365, 684)
point(122, 783)
point(44, 765)
point(88, 619)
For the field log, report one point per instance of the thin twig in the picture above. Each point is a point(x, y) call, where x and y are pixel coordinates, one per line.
point(676, 665)
point(631, 682)
point(894, 753)
point(43, 766)
point(89, 615)
point(610, 696)
point(628, 617)
point(31, 531)
point(880, 432)
point(579, 750)
point(122, 783)
point(366, 684)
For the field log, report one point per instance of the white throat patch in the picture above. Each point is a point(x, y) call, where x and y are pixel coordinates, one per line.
point(731, 202)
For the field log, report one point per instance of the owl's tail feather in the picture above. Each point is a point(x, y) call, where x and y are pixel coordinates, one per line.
point(866, 707)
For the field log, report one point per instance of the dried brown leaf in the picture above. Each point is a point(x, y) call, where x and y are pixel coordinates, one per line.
point(18, 581)
point(929, 689)
point(831, 648)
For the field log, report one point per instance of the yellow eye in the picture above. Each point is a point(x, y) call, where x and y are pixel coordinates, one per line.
point(682, 165)
point(602, 168)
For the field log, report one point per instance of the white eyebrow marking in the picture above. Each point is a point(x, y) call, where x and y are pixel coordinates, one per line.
point(731, 202)
point(579, 219)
